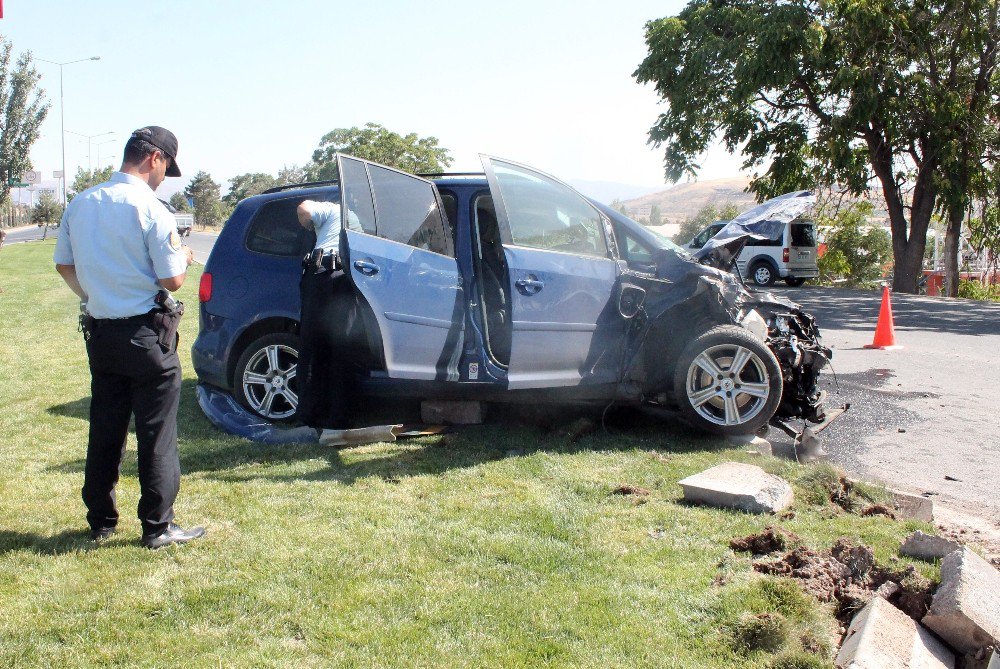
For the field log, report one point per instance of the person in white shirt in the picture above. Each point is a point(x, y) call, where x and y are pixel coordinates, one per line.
point(118, 250)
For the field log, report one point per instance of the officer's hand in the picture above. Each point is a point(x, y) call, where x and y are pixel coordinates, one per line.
point(190, 255)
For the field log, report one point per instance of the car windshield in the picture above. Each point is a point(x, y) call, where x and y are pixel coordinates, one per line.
point(665, 242)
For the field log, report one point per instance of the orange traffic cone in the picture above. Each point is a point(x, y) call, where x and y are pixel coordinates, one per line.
point(885, 334)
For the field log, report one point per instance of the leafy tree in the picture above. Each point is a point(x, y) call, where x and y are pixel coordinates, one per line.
point(48, 210)
point(619, 206)
point(833, 92)
point(855, 251)
point(180, 203)
point(244, 185)
point(409, 153)
point(89, 178)
point(22, 111)
point(209, 210)
point(703, 218)
point(290, 174)
point(655, 216)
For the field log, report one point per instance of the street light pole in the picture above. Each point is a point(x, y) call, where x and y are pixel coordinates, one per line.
point(100, 163)
point(90, 164)
point(62, 126)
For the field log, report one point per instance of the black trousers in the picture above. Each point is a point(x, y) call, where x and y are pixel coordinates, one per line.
point(132, 374)
point(327, 327)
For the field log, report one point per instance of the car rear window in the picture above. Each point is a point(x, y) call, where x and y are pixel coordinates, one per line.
point(803, 234)
point(275, 230)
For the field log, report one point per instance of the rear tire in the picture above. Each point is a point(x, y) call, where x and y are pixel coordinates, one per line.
point(727, 381)
point(265, 380)
point(762, 274)
point(794, 282)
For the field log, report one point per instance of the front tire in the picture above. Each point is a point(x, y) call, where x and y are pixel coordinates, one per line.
point(265, 381)
point(727, 381)
point(762, 274)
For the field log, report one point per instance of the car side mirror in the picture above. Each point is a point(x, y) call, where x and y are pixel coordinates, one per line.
point(630, 300)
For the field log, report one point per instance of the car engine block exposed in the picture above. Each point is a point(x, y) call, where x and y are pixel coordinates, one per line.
point(796, 343)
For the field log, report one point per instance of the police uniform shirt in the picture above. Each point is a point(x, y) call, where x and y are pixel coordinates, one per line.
point(121, 239)
point(326, 221)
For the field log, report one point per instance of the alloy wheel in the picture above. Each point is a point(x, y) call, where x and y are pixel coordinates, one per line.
point(728, 384)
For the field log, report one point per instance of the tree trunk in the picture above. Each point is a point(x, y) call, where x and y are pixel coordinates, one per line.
point(952, 240)
point(907, 267)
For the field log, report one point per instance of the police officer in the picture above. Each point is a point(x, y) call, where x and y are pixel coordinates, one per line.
point(326, 325)
point(117, 249)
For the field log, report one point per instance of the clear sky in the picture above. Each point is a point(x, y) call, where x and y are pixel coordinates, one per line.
point(251, 86)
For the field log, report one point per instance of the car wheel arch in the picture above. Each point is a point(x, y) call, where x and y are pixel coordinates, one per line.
point(766, 259)
point(668, 335)
point(252, 333)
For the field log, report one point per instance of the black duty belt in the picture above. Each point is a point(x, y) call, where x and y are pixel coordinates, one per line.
point(141, 319)
point(321, 259)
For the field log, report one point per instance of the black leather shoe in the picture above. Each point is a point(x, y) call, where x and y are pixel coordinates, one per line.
point(174, 534)
point(102, 534)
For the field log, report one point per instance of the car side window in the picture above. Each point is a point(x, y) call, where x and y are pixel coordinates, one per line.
point(636, 251)
point(407, 211)
point(275, 230)
point(545, 214)
point(450, 202)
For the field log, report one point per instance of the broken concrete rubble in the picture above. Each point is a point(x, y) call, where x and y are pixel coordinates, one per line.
point(752, 443)
point(734, 485)
point(927, 546)
point(913, 507)
point(883, 637)
point(965, 611)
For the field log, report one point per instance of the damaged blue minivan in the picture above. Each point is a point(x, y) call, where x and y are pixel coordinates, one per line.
point(509, 286)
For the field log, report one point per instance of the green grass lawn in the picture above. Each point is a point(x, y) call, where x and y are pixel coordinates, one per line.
point(494, 547)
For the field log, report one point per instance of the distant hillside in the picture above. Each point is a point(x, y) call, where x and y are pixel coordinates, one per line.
point(607, 191)
point(684, 200)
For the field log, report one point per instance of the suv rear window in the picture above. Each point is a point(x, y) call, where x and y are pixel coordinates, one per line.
point(275, 230)
point(803, 234)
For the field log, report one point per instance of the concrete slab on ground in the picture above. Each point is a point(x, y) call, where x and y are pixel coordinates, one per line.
point(965, 611)
point(883, 637)
point(734, 485)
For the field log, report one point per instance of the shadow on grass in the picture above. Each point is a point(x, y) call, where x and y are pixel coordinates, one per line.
point(512, 431)
point(77, 409)
point(67, 541)
point(515, 436)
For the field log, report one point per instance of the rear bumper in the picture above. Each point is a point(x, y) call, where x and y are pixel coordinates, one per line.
point(210, 351)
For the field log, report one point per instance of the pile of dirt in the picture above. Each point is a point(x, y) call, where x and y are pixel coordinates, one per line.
point(770, 540)
point(848, 574)
point(879, 510)
point(630, 490)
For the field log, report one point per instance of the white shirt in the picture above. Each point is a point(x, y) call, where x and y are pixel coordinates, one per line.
point(121, 239)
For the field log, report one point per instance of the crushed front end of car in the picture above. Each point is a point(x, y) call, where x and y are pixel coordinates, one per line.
point(690, 344)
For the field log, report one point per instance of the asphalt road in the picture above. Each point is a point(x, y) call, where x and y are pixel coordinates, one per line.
point(26, 233)
point(925, 417)
point(200, 242)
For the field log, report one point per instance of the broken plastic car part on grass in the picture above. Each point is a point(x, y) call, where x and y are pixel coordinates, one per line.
point(512, 287)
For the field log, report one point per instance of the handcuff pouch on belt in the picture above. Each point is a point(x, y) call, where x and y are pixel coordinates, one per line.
point(167, 319)
point(86, 322)
point(321, 260)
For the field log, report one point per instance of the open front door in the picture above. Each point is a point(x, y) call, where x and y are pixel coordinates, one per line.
point(562, 280)
point(400, 257)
